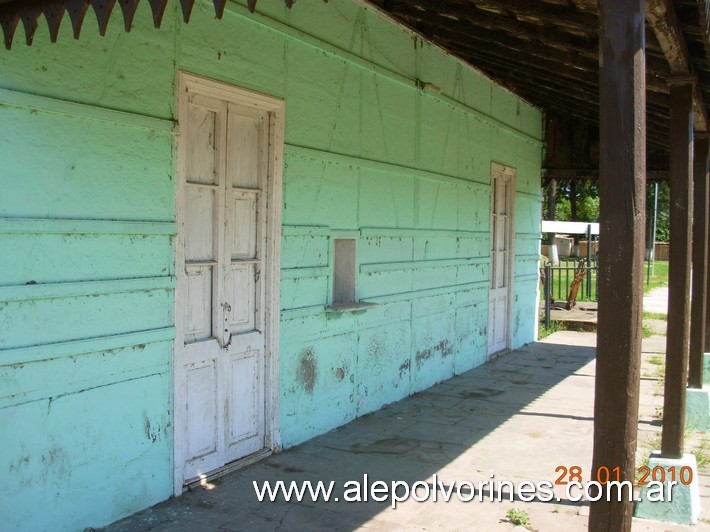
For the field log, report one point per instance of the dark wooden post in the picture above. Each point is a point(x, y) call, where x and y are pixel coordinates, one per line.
point(707, 295)
point(622, 173)
point(681, 142)
point(700, 256)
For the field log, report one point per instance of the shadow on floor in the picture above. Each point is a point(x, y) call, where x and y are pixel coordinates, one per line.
point(505, 418)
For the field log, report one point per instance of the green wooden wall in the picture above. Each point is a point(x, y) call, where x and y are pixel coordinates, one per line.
point(87, 222)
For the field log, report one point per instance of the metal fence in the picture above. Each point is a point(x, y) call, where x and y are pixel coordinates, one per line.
point(562, 276)
point(558, 281)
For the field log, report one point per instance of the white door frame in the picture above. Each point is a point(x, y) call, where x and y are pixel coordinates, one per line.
point(271, 268)
point(510, 174)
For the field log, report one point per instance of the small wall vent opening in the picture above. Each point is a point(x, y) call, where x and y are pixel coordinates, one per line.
point(344, 277)
point(343, 271)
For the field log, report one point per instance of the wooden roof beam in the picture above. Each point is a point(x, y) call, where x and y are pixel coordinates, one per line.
point(570, 66)
point(432, 10)
point(562, 15)
point(584, 61)
point(534, 72)
point(662, 18)
point(592, 174)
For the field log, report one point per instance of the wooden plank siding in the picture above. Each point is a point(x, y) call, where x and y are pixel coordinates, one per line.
point(86, 296)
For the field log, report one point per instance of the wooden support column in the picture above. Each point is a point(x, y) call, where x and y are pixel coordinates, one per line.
point(622, 173)
point(700, 255)
point(677, 341)
point(707, 295)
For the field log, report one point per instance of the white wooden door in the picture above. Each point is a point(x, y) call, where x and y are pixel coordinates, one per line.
point(501, 258)
point(220, 365)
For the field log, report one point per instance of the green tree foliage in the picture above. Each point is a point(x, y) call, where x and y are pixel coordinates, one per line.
point(664, 201)
point(577, 201)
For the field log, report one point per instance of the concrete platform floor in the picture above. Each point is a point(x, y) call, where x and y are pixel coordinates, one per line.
point(582, 317)
point(519, 418)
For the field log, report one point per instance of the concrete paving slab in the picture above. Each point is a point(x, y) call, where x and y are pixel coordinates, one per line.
point(520, 417)
point(656, 325)
point(654, 344)
point(656, 301)
point(582, 317)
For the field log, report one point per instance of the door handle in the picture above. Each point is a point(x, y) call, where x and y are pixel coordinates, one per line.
point(225, 340)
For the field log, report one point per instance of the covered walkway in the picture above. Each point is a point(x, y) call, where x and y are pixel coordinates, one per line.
point(519, 418)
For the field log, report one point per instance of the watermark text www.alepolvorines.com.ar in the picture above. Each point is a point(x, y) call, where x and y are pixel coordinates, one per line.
point(435, 490)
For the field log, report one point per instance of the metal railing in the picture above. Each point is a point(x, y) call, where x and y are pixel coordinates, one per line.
point(562, 276)
point(558, 281)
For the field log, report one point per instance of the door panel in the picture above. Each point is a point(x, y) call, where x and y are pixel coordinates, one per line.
point(248, 133)
point(244, 423)
point(500, 329)
point(199, 223)
point(199, 303)
point(501, 233)
point(203, 132)
point(201, 408)
point(246, 384)
point(242, 315)
point(244, 228)
point(501, 270)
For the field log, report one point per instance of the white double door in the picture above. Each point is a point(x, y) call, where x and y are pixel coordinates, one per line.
point(501, 256)
point(220, 347)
